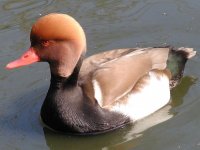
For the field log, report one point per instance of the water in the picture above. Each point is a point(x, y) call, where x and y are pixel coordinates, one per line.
point(108, 25)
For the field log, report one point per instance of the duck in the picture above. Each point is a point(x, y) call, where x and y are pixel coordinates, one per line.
point(105, 91)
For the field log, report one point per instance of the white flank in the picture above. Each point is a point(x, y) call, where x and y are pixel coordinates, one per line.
point(97, 92)
point(154, 95)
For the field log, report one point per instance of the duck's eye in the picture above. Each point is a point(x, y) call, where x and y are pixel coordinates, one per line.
point(45, 43)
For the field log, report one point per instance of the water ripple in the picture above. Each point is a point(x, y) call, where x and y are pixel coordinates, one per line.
point(20, 13)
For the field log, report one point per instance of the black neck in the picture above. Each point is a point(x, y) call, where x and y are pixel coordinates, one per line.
point(63, 96)
point(72, 80)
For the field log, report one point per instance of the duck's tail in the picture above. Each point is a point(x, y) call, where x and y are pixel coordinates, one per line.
point(176, 63)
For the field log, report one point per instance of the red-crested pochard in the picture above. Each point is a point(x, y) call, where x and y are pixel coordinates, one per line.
point(102, 92)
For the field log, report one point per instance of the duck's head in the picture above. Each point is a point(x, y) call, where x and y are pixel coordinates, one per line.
point(57, 39)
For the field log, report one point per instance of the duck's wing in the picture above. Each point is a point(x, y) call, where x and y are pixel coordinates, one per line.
point(92, 62)
point(108, 76)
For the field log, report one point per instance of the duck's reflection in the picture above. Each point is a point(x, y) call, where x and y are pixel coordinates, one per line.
point(178, 93)
point(125, 138)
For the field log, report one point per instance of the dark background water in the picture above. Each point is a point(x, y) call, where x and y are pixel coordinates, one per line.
point(108, 25)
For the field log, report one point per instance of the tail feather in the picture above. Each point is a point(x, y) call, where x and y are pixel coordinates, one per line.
point(176, 63)
point(189, 52)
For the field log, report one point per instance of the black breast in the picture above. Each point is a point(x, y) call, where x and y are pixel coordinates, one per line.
point(67, 109)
